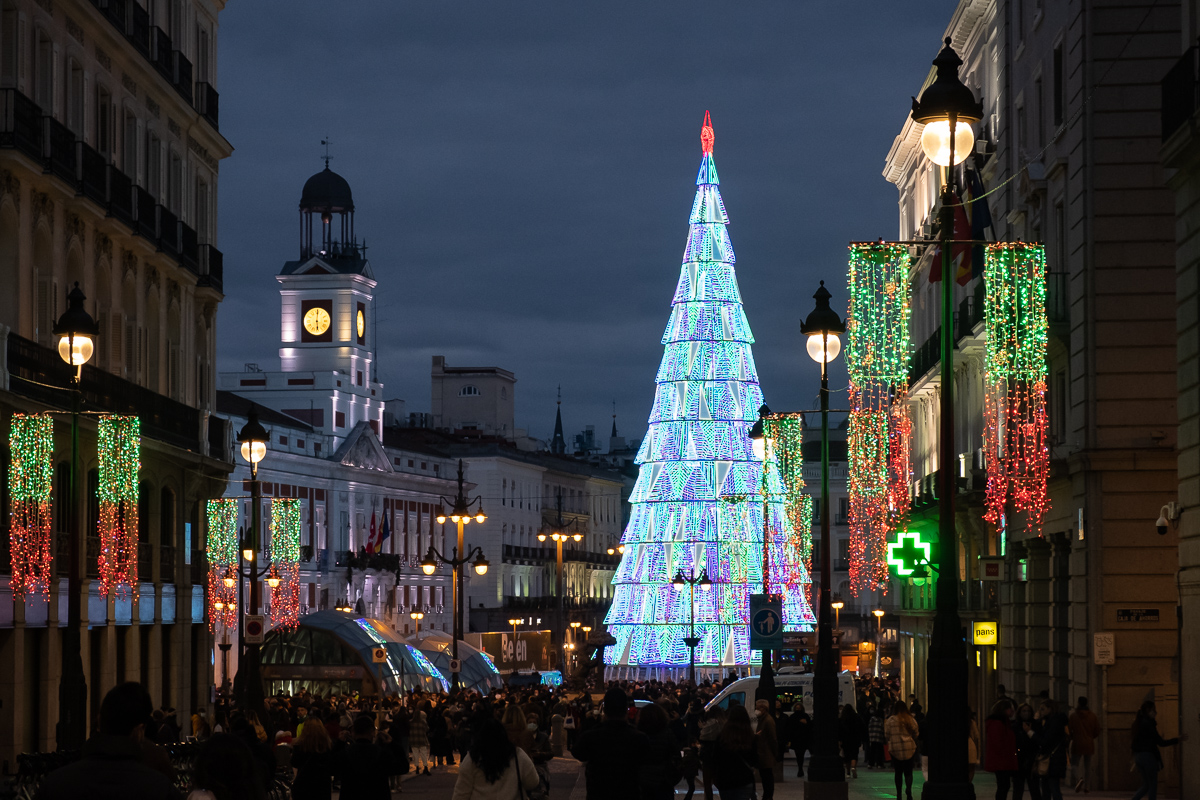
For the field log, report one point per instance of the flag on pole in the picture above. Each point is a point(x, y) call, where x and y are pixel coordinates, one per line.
point(385, 531)
point(981, 219)
point(960, 250)
point(371, 535)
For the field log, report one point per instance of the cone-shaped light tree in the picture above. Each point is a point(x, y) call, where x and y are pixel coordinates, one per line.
point(698, 503)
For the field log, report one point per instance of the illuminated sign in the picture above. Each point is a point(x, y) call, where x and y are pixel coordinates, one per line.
point(985, 633)
point(907, 552)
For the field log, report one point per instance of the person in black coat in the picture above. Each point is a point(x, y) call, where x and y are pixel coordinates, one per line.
point(365, 766)
point(1055, 738)
point(613, 751)
point(661, 769)
point(1028, 732)
point(799, 733)
point(1144, 746)
point(851, 733)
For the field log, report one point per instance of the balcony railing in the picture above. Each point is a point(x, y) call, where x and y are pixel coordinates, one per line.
point(93, 173)
point(137, 29)
point(211, 264)
point(120, 195)
point(168, 232)
point(182, 78)
point(60, 150)
point(20, 123)
point(970, 313)
point(161, 52)
point(62, 552)
point(166, 563)
point(208, 103)
point(188, 249)
point(43, 371)
point(145, 211)
point(1180, 90)
point(925, 357)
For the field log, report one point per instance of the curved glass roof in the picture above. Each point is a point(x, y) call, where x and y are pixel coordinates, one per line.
point(337, 638)
point(478, 671)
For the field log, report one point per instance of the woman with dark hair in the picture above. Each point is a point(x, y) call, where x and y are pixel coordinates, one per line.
point(900, 731)
point(225, 769)
point(493, 767)
point(661, 769)
point(799, 731)
point(733, 756)
point(1146, 741)
point(315, 764)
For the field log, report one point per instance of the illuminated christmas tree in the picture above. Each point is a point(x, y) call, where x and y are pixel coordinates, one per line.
point(698, 503)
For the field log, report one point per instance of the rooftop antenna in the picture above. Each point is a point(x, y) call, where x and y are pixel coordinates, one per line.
point(327, 142)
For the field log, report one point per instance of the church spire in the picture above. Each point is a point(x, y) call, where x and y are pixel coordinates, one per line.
point(558, 445)
point(614, 430)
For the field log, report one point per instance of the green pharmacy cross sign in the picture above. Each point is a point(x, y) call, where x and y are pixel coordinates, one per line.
point(908, 552)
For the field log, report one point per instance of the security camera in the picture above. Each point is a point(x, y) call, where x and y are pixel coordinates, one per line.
point(1166, 515)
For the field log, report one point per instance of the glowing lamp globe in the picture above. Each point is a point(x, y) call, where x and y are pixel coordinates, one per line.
point(541, 537)
point(935, 141)
point(480, 517)
point(481, 565)
point(823, 349)
point(441, 518)
point(578, 537)
point(247, 555)
point(455, 518)
point(75, 350)
point(273, 582)
point(76, 329)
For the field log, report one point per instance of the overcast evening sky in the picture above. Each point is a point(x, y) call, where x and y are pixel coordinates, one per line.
point(523, 173)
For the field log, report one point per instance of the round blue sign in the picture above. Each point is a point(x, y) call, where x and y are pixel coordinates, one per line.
point(766, 622)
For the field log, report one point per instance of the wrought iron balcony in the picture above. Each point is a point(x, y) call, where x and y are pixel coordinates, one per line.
point(137, 29)
point(208, 103)
point(93, 174)
point(189, 254)
point(120, 196)
point(145, 213)
point(21, 123)
point(166, 563)
point(43, 372)
point(182, 76)
point(60, 150)
point(168, 232)
point(161, 53)
point(145, 555)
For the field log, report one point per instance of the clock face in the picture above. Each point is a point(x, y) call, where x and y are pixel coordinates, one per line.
point(362, 324)
point(316, 321)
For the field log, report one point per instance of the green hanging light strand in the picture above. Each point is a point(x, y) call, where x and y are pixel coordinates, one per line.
point(30, 478)
point(1016, 442)
point(119, 442)
point(878, 352)
point(222, 556)
point(285, 562)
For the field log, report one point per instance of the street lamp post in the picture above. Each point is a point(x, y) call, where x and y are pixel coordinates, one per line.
point(838, 605)
point(416, 617)
point(559, 535)
point(76, 330)
point(826, 776)
point(691, 581)
point(248, 686)
point(758, 439)
point(460, 515)
point(946, 109)
point(480, 565)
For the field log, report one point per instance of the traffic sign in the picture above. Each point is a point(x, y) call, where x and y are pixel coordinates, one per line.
point(1104, 649)
point(255, 628)
point(455, 665)
point(766, 622)
point(379, 655)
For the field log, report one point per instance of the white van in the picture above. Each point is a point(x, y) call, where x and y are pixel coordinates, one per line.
point(790, 686)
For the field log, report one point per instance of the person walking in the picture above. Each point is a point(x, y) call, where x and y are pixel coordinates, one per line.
point(1085, 729)
point(661, 769)
point(418, 739)
point(767, 745)
point(900, 730)
point(493, 767)
point(714, 721)
point(1144, 747)
point(875, 737)
point(225, 770)
point(851, 733)
point(799, 731)
point(1027, 730)
point(613, 751)
point(1000, 755)
point(365, 766)
point(315, 764)
point(1052, 752)
point(733, 756)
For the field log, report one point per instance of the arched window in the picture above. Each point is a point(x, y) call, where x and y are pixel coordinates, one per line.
point(468, 391)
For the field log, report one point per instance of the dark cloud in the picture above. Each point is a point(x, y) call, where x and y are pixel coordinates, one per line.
point(523, 173)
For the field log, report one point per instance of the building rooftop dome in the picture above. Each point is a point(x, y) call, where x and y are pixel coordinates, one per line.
point(326, 191)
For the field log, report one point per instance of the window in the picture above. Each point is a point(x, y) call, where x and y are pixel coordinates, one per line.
point(9, 43)
point(130, 160)
point(283, 440)
point(1022, 133)
point(152, 171)
point(104, 132)
point(843, 549)
point(300, 443)
point(202, 56)
point(339, 419)
point(75, 97)
point(360, 377)
point(175, 185)
point(1058, 414)
point(1038, 124)
point(44, 73)
point(1060, 87)
point(468, 391)
point(202, 211)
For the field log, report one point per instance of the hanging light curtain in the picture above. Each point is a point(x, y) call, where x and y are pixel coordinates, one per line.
point(222, 556)
point(30, 478)
point(877, 358)
point(119, 442)
point(285, 562)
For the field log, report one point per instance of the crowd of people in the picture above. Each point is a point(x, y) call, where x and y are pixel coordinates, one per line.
point(641, 740)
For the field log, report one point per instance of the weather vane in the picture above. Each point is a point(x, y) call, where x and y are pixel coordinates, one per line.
point(327, 142)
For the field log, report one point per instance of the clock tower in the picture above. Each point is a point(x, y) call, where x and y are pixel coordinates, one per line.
point(326, 330)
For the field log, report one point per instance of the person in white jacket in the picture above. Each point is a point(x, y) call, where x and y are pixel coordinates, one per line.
point(493, 767)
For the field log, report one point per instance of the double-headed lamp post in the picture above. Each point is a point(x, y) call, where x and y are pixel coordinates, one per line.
point(838, 604)
point(826, 776)
point(460, 515)
point(878, 638)
point(691, 581)
point(248, 687)
point(946, 109)
point(416, 617)
point(560, 535)
point(76, 331)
